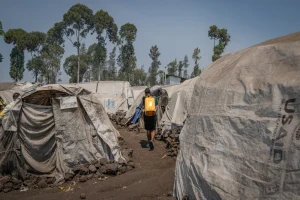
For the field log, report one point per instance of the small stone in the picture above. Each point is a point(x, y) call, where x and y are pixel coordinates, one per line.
point(97, 165)
point(42, 184)
point(15, 181)
point(5, 190)
point(51, 185)
point(123, 169)
point(50, 180)
point(92, 168)
point(112, 168)
point(83, 178)
point(90, 176)
point(131, 164)
point(103, 161)
point(8, 185)
point(5, 179)
point(129, 168)
point(69, 176)
point(103, 169)
point(94, 162)
point(76, 169)
point(16, 187)
point(82, 196)
point(83, 170)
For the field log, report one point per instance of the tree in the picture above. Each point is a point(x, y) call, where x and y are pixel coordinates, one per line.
point(224, 38)
point(70, 65)
point(153, 69)
point(51, 55)
point(35, 65)
point(1, 34)
point(140, 77)
point(126, 58)
point(96, 59)
point(78, 22)
point(17, 37)
point(179, 67)
point(16, 64)
point(185, 66)
point(161, 74)
point(196, 57)
point(112, 72)
point(172, 67)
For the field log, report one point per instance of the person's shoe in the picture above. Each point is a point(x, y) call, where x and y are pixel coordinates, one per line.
point(151, 145)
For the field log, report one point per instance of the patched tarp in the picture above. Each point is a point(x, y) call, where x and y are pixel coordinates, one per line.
point(48, 131)
point(241, 137)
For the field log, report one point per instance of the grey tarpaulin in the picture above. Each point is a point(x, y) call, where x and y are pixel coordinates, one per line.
point(52, 140)
point(241, 139)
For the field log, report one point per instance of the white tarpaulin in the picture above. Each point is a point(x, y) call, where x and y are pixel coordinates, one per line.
point(241, 139)
point(114, 95)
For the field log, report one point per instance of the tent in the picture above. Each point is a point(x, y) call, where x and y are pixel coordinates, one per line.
point(136, 90)
point(114, 95)
point(241, 137)
point(54, 128)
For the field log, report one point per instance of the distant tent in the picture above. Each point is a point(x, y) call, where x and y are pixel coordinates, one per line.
point(54, 128)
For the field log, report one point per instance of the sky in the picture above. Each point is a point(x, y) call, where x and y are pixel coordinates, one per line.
point(177, 27)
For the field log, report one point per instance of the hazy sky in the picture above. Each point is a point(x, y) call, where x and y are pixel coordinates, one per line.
point(175, 26)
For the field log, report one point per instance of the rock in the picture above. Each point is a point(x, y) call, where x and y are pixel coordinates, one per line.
point(17, 187)
point(103, 161)
point(131, 164)
point(51, 185)
point(83, 178)
point(83, 170)
point(69, 176)
point(92, 168)
point(8, 185)
point(76, 168)
point(97, 165)
point(50, 180)
point(42, 184)
point(112, 168)
point(103, 169)
point(129, 168)
point(122, 169)
point(82, 196)
point(94, 162)
point(1, 186)
point(5, 179)
point(15, 181)
point(7, 190)
point(27, 182)
point(90, 176)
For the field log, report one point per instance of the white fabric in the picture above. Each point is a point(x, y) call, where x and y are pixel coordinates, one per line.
point(241, 138)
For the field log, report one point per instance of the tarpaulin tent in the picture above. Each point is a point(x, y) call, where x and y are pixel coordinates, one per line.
point(137, 90)
point(114, 95)
point(54, 128)
point(241, 138)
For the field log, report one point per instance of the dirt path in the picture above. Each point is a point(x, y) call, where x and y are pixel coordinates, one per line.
point(152, 178)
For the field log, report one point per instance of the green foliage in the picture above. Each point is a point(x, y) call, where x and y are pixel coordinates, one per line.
point(172, 68)
point(103, 22)
point(17, 37)
point(16, 64)
point(185, 66)
point(55, 35)
point(1, 34)
point(126, 59)
point(112, 71)
point(224, 38)
point(140, 77)
point(179, 68)
point(96, 56)
point(51, 55)
point(35, 65)
point(196, 57)
point(34, 41)
point(153, 69)
point(161, 74)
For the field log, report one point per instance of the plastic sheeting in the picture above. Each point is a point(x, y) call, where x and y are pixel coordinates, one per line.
point(114, 95)
point(48, 135)
point(241, 138)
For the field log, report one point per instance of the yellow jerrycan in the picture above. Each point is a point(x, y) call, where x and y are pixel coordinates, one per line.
point(150, 106)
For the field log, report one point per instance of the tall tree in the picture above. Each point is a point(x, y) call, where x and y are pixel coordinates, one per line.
point(112, 64)
point(70, 65)
point(1, 34)
point(35, 65)
point(185, 66)
point(180, 67)
point(17, 37)
point(224, 38)
point(127, 59)
point(16, 64)
point(97, 56)
point(78, 22)
point(140, 77)
point(172, 67)
point(161, 74)
point(196, 57)
point(153, 69)
point(51, 55)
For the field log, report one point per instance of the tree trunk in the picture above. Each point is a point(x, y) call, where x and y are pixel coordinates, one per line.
point(78, 60)
point(99, 71)
point(36, 75)
point(214, 42)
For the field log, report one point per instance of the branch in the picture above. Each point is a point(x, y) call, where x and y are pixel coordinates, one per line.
point(70, 40)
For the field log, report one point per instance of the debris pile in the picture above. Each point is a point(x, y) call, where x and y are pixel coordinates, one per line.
point(117, 118)
point(171, 138)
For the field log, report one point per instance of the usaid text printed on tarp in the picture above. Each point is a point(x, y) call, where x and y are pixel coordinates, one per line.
point(287, 123)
